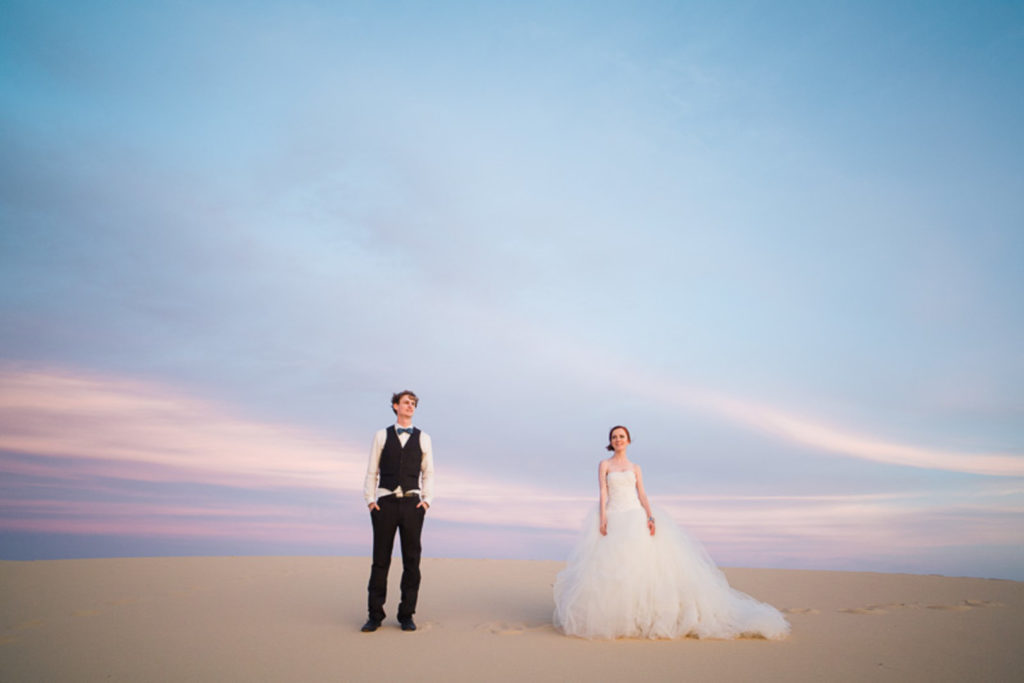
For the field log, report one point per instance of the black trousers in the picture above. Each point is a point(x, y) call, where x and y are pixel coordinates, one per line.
point(401, 515)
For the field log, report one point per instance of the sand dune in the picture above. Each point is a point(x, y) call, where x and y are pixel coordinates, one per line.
point(297, 619)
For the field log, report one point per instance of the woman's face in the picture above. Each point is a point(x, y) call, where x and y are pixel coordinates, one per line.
point(619, 438)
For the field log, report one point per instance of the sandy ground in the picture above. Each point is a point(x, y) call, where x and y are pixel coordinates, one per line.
point(298, 619)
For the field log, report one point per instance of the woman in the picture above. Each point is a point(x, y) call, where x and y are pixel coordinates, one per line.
point(632, 576)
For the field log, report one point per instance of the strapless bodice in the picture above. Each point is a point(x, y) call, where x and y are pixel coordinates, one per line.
point(622, 491)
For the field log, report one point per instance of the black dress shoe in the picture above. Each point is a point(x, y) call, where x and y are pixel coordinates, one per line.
point(371, 625)
point(407, 624)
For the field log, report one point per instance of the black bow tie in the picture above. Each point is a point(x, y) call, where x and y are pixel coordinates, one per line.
point(404, 430)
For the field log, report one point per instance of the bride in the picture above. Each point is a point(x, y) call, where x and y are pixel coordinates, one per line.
point(629, 576)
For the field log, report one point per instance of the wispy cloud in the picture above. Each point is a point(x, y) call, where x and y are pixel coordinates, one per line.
point(270, 523)
point(116, 427)
point(779, 423)
point(84, 443)
point(844, 441)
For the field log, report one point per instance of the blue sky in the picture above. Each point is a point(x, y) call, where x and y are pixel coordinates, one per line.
point(779, 241)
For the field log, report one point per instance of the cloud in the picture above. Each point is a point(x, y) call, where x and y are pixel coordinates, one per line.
point(846, 442)
point(102, 455)
point(116, 427)
point(819, 437)
point(193, 520)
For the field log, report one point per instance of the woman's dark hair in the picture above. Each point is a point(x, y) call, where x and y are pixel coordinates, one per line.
point(628, 437)
point(396, 398)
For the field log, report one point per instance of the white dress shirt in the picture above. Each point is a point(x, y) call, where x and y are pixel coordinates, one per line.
point(371, 492)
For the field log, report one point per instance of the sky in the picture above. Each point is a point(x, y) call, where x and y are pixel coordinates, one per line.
point(780, 241)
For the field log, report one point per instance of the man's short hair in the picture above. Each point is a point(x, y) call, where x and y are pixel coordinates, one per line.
point(396, 398)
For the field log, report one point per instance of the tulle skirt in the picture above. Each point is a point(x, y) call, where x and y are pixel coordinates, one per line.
point(632, 584)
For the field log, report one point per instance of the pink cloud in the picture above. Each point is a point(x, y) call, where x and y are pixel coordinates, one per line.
point(820, 437)
point(66, 429)
point(125, 428)
point(595, 366)
point(202, 520)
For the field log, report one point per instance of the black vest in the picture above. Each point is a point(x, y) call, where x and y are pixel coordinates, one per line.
point(401, 466)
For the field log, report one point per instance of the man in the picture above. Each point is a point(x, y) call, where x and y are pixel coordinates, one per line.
point(398, 490)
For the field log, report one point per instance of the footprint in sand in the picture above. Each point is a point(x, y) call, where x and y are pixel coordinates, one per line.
point(503, 628)
point(27, 625)
point(983, 603)
point(123, 601)
point(962, 606)
point(11, 635)
point(800, 610)
point(508, 628)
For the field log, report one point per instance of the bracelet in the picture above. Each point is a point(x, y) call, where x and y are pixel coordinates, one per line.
point(650, 519)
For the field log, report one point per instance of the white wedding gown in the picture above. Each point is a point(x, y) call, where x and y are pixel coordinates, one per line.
point(632, 584)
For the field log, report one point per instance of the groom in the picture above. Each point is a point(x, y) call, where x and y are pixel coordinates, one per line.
point(398, 490)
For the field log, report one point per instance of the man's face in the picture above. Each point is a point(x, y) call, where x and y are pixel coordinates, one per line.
point(405, 407)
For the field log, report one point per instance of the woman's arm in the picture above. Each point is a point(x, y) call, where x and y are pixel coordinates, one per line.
point(602, 478)
point(642, 495)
